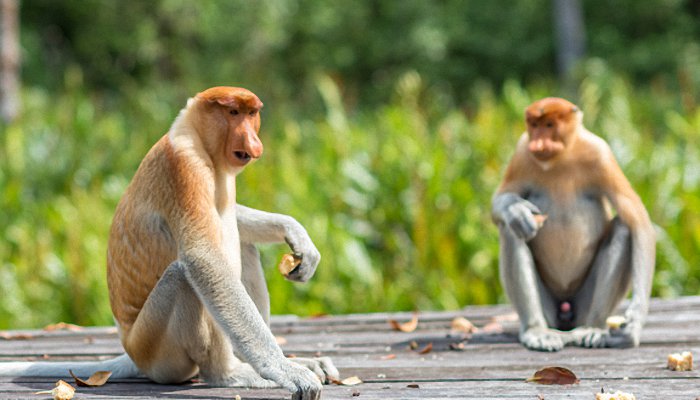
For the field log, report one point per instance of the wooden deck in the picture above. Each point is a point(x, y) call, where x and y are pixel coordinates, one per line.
point(491, 365)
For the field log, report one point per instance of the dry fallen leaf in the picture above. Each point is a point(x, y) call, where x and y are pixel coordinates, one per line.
point(461, 324)
point(62, 391)
point(409, 326)
point(351, 381)
point(62, 326)
point(554, 376)
point(427, 349)
point(413, 386)
point(492, 327)
point(413, 345)
point(15, 336)
point(388, 357)
point(288, 263)
point(99, 378)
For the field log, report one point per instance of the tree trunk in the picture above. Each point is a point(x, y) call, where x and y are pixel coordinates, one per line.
point(570, 37)
point(9, 60)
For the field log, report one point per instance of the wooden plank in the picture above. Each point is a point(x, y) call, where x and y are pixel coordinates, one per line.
point(492, 366)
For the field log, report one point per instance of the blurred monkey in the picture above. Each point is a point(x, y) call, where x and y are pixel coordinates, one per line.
point(566, 260)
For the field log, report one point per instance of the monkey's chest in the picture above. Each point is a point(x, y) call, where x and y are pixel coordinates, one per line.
point(566, 245)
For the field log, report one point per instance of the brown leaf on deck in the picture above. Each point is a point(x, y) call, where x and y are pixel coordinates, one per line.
point(351, 381)
point(554, 376)
point(15, 336)
point(62, 326)
point(492, 327)
point(413, 345)
point(427, 349)
point(99, 378)
point(388, 357)
point(409, 326)
point(413, 386)
point(461, 324)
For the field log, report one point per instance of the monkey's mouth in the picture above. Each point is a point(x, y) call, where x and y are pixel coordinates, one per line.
point(242, 156)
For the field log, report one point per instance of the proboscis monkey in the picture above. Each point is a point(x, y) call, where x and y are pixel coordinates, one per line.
point(574, 236)
point(185, 281)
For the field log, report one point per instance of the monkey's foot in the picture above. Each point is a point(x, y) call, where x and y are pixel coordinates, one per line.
point(585, 336)
point(322, 366)
point(542, 339)
point(242, 375)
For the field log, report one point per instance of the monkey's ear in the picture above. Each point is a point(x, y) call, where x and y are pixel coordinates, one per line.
point(574, 109)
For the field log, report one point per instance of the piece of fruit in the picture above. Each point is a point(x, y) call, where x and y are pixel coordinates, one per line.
point(615, 321)
point(680, 361)
point(288, 263)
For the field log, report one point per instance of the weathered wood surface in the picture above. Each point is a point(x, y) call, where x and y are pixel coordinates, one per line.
point(491, 366)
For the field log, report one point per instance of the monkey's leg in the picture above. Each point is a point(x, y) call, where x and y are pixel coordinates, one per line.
point(174, 337)
point(604, 288)
point(533, 302)
point(253, 279)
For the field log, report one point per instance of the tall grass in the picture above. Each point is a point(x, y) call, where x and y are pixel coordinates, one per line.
point(396, 198)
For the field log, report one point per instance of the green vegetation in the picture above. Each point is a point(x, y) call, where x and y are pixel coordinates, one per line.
point(386, 130)
point(396, 197)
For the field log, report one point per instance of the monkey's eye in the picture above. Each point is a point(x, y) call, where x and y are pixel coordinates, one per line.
point(252, 113)
point(233, 112)
point(550, 124)
point(533, 124)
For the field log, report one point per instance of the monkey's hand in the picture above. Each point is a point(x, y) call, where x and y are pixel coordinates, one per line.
point(517, 214)
point(322, 366)
point(301, 381)
point(303, 248)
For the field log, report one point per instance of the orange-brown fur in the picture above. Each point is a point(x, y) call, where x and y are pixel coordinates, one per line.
point(178, 218)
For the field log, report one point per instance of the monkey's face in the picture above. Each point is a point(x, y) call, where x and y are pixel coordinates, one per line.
point(551, 123)
point(242, 142)
point(237, 118)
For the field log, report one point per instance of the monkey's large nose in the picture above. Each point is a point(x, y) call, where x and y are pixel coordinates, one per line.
point(242, 156)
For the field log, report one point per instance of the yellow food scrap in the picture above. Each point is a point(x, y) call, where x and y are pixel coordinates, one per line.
point(680, 361)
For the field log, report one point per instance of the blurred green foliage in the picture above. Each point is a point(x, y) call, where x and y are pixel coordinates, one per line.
point(386, 129)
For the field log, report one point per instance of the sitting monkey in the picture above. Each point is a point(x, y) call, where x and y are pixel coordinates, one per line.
point(566, 260)
point(185, 280)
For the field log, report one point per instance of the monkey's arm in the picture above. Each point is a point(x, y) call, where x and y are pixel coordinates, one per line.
point(257, 226)
point(632, 212)
point(215, 274)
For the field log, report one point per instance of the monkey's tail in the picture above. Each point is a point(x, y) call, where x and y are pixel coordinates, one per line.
point(121, 367)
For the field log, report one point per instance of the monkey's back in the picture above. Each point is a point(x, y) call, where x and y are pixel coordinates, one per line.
point(140, 245)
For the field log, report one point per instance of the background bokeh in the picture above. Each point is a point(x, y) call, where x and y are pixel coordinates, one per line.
point(386, 125)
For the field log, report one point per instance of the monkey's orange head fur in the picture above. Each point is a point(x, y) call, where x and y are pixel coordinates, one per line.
point(236, 113)
point(551, 124)
point(231, 96)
